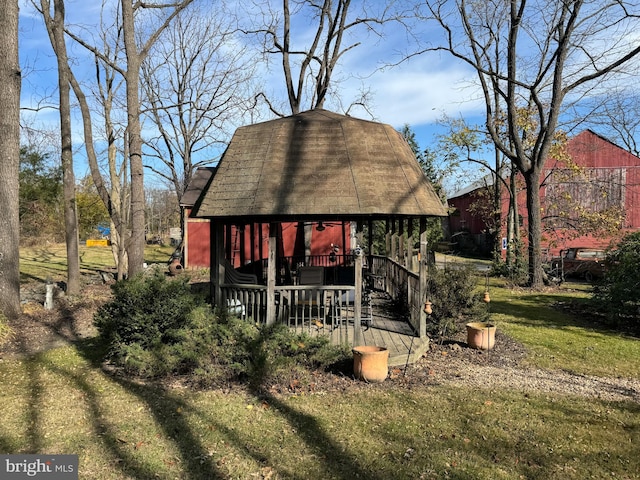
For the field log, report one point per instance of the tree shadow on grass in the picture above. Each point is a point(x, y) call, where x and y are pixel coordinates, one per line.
point(535, 310)
point(339, 462)
point(165, 407)
point(194, 459)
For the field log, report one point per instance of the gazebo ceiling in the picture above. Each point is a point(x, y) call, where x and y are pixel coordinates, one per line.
point(318, 164)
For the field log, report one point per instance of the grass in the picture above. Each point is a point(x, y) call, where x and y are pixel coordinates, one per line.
point(558, 339)
point(62, 401)
point(41, 263)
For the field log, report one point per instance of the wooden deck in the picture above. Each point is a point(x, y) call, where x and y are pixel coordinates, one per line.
point(324, 308)
point(387, 329)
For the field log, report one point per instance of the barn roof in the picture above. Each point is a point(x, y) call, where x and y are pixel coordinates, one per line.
point(318, 164)
point(199, 181)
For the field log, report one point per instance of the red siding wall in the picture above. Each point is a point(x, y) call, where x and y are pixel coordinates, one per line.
point(197, 241)
point(589, 151)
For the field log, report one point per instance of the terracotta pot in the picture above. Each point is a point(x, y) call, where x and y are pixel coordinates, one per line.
point(481, 335)
point(175, 268)
point(370, 363)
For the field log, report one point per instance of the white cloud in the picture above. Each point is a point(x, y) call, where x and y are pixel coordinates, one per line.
point(419, 97)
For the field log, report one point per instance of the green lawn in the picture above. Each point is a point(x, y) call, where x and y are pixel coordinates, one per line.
point(62, 401)
point(41, 263)
point(557, 339)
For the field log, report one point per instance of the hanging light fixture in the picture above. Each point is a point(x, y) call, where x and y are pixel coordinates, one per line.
point(320, 227)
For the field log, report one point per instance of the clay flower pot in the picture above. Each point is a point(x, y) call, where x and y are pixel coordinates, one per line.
point(481, 335)
point(175, 268)
point(370, 363)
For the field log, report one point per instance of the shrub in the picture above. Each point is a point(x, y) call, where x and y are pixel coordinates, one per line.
point(156, 327)
point(618, 295)
point(453, 292)
point(146, 310)
point(281, 355)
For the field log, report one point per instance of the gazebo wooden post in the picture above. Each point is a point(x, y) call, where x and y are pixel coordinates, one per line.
point(394, 241)
point(387, 238)
point(260, 241)
point(252, 236)
point(409, 246)
point(423, 276)
point(358, 337)
point(216, 272)
point(228, 244)
point(241, 244)
point(409, 265)
point(402, 259)
point(370, 241)
point(271, 273)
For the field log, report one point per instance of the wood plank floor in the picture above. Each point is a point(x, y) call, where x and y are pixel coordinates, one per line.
point(387, 329)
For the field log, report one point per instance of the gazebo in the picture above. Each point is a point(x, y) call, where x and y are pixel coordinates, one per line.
point(317, 168)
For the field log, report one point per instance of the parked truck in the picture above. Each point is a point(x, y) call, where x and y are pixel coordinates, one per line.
point(581, 262)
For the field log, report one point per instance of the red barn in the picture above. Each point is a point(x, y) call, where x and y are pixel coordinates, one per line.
point(593, 182)
point(326, 237)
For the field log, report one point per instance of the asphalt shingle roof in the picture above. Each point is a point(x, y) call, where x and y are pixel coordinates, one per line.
point(318, 164)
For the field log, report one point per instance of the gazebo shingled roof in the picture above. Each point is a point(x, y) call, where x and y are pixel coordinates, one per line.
point(318, 164)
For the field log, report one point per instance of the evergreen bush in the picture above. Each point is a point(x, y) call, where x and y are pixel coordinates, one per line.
point(456, 300)
point(155, 327)
point(618, 295)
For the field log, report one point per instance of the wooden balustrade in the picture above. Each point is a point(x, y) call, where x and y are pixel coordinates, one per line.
point(327, 309)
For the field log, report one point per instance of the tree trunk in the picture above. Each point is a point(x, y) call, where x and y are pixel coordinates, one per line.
point(56, 34)
point(497, 209)
point(534, 228)
point(9, 161)
point(136, 242)
point(513, 222)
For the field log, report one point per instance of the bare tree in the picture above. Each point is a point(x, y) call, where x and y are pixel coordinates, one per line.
point(136, 48)
point(55, 29)
point(135, 56)
point(10, 161)
point(617, 116)
point(547, 51)
point(197, 86)
point(309, 72)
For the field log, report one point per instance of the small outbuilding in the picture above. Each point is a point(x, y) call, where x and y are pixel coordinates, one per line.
point(317, 168)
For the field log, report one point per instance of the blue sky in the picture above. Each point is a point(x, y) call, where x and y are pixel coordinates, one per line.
point(417, 92)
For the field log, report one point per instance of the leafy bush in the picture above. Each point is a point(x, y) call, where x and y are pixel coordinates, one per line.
point(156, 327)
point(453, 292)
point(618, 295)
point(280, 355)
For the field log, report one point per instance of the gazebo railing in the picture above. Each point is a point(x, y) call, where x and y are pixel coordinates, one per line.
point(328, 309)
point(315, 310)
point(401, 284)
point(246, 301)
